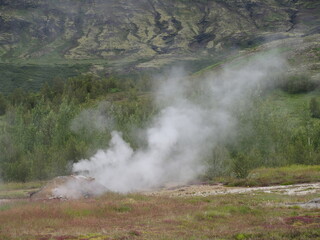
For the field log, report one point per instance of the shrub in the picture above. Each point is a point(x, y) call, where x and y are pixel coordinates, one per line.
point(314, 108)
point(241, 166)
point(298, 84)
point(3, 105)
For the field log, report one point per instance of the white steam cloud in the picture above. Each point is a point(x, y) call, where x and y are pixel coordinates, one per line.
point(196, 115)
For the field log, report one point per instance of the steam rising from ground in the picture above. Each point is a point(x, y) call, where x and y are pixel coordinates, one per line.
point(196, 115)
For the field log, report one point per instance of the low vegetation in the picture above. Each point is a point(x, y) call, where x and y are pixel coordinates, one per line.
point(19, 190)
point(293, 174)
point(135, 216)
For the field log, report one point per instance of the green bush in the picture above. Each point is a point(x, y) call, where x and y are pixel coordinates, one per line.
point(314, 108)
point(3, 105)
point(37, 141)
point(298, 84)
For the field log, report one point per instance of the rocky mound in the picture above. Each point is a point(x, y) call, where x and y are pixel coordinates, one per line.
point(70, 187)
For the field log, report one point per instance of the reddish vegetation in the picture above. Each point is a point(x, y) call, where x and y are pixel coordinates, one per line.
point(143, 217)
point(303, 220)
point(64, 238)
point(47, 237)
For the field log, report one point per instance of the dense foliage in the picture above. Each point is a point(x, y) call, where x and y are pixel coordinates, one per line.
point(43, 133)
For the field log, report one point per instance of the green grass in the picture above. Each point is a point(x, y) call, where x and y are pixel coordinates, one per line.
point(19, 190)
point(279, 176)
point(16, 194)
point(21, 186)
point(122, 208)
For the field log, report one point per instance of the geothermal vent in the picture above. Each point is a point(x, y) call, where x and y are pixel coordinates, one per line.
point(70, 187)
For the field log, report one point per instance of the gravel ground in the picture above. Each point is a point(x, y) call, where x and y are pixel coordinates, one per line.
point(219, 189)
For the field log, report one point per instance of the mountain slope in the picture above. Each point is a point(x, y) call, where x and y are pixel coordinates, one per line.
point(130, 34)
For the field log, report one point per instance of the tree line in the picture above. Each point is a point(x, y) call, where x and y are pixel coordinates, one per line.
point(42, 133)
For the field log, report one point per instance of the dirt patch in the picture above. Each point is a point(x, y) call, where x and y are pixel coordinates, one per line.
point(220, 189)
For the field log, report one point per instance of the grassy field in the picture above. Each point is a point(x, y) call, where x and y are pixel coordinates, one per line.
point(136, 216)
point(114, 216)
point(19, 190)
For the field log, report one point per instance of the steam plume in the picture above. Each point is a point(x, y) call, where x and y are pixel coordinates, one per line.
point(196, 115)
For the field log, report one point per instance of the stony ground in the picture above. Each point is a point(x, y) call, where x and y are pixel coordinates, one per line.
point(219, 189)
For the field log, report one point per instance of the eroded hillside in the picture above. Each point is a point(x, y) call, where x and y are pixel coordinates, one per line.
point(107, 29)
point(129, 34)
